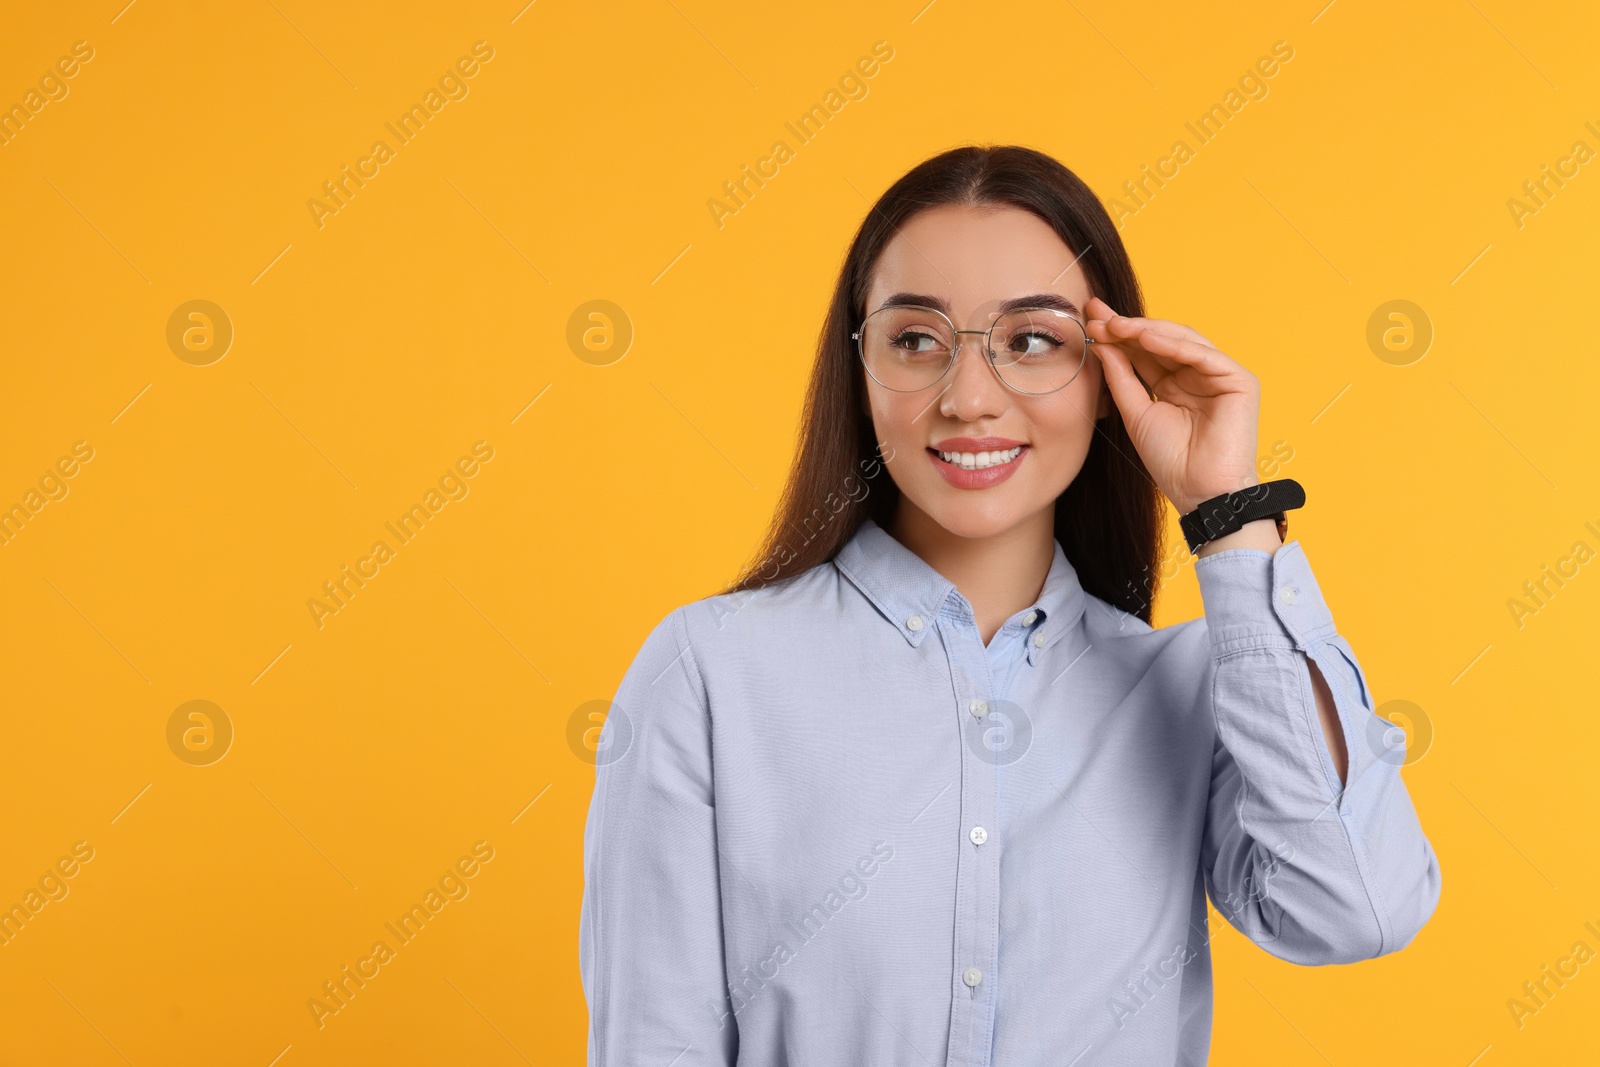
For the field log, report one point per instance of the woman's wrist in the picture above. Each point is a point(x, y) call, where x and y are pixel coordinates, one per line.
point(1258, 533)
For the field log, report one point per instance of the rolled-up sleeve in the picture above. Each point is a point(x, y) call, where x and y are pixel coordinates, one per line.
point(1313, 871)
point(650, 941)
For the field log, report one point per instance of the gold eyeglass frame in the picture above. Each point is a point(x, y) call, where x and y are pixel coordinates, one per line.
point(955, 348)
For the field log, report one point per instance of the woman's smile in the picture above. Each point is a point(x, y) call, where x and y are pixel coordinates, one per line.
point(976, 463)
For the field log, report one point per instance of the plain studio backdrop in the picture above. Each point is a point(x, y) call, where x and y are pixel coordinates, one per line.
point(527, 294)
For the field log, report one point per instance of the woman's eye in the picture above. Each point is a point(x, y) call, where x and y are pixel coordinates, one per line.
point(912, 341)
point(1034, 343)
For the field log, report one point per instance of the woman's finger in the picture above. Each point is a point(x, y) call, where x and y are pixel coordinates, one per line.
point(1182, 383)
point(1130, 326)
point(1129, 393)
point(1201, 357)
point(1151, 370)
point(1158, 357)
point(1127, 325)
point(1151, 365)
point(1125, 331)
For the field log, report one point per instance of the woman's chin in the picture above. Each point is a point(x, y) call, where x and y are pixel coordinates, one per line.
point(970, 517)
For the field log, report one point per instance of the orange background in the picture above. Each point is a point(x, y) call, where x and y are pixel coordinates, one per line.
point(431, 712)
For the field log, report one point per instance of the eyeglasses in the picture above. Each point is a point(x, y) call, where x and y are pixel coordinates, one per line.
point(1033, 350)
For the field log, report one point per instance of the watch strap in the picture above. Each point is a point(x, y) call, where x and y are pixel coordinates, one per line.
point(1222, 515)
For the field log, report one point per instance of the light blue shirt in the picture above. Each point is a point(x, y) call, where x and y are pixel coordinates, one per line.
point(830, 826)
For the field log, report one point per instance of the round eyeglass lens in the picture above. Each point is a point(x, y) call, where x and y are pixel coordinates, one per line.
point(1038, 350)
point(906, 348)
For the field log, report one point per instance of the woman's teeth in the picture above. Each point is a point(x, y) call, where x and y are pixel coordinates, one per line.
point(977, 461)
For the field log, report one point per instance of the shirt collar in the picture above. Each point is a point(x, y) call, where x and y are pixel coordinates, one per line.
point(910, 594)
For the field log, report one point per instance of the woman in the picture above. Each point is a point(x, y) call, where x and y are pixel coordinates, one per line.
point(924, 786)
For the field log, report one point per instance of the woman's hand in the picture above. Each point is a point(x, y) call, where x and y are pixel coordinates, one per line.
point(1198, 436)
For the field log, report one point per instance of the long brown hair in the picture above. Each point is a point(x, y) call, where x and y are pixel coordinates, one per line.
point(1109, 520)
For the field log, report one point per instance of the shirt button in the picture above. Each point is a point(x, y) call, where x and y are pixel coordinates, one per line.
point(914, 623)
point(972, 976)
point(1288, 594)
point(1030, 618)
point(979, 835)
point(1038, 639)
point(980, 708)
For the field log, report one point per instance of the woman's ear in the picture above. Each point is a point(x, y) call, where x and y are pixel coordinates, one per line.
point(1104, 403)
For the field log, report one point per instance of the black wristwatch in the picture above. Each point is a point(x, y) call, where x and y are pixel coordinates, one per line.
point(1222, 515)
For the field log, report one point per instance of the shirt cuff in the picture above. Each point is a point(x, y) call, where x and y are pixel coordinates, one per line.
point(1256, 599)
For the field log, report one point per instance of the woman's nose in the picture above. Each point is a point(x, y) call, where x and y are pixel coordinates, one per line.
point(975, 390)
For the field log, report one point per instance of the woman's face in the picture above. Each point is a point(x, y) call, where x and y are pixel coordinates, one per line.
point(968, 260)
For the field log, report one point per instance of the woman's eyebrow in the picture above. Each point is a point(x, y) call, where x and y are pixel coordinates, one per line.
point(1053, 301)
point(897, 300)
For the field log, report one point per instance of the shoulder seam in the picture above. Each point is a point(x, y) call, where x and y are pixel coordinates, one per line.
point(698, 682)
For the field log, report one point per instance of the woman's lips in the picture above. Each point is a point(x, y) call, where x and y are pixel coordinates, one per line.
point(984, 478)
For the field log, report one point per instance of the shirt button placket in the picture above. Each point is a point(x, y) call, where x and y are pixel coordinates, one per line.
point(977, 872)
